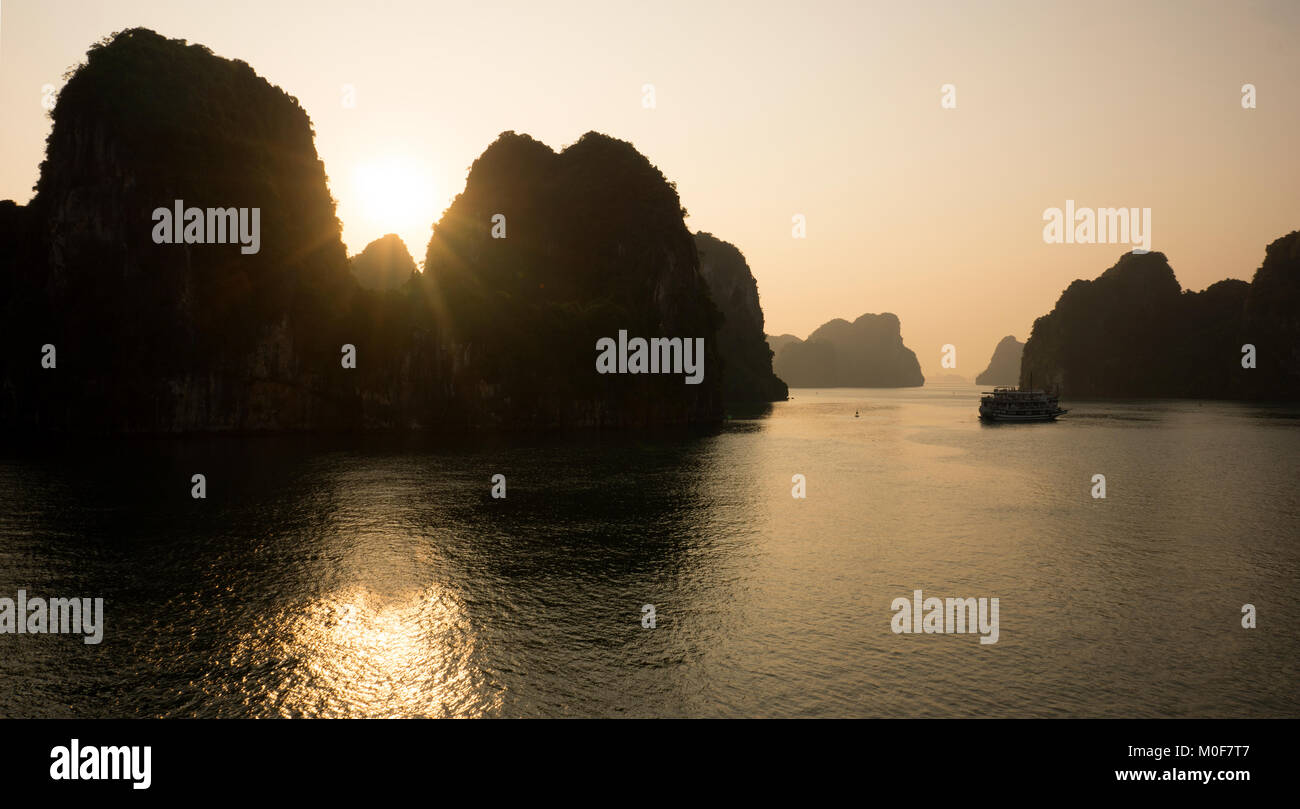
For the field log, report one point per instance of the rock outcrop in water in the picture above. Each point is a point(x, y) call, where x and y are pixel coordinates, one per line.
point(746, 358)
point(546, 253)
point(1133, 332)
point(153, 336)
point(867, 353)
point(200, 336)
point(1004, 366)
point(384, 264)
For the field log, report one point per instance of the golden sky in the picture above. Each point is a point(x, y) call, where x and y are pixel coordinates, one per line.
point(764, 110)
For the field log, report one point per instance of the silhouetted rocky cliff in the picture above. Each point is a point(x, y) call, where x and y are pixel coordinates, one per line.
point(1004, 365)
point(384, 264)
point(1272, 321)
point(546, 253)
point(867, 353)
point(174, 336)
point(156, 328)
point(746, 359)
point(1133, 332)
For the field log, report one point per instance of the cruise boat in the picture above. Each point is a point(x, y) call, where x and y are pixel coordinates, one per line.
point(1014, 404)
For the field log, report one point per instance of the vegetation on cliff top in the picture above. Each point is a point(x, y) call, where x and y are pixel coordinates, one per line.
point(1133, 332)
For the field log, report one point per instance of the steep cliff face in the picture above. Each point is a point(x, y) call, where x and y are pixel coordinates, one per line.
point(746, 359)
point(867, 353)
point(1272, 321)
point(384, 264)
point(1133, 333)
point(1004, 365)
point(178, 336)
point(17, 248)
point(19, 303)
point(542, 256)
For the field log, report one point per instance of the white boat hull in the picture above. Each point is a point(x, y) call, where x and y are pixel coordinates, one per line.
point(987, 416)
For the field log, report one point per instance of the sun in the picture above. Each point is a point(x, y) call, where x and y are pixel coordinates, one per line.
point(396, 194)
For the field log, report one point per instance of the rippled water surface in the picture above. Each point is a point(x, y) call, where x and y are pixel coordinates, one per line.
point(376, 576)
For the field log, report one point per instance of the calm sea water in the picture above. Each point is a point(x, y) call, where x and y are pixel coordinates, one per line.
point(376, 576)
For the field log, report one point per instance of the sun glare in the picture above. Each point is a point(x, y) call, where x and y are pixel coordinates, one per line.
point(396, 195)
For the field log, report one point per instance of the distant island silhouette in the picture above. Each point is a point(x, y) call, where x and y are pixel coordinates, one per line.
point(384, 264)
point(867, 353)
point(1004, 365)
point(113, 332)
point(1134, 332)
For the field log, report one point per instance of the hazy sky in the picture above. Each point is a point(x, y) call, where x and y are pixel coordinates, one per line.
point(765, 110)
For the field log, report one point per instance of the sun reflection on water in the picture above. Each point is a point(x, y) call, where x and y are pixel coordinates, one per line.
point(357, 653)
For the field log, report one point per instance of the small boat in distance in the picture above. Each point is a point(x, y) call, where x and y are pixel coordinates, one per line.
point(1014, 404)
